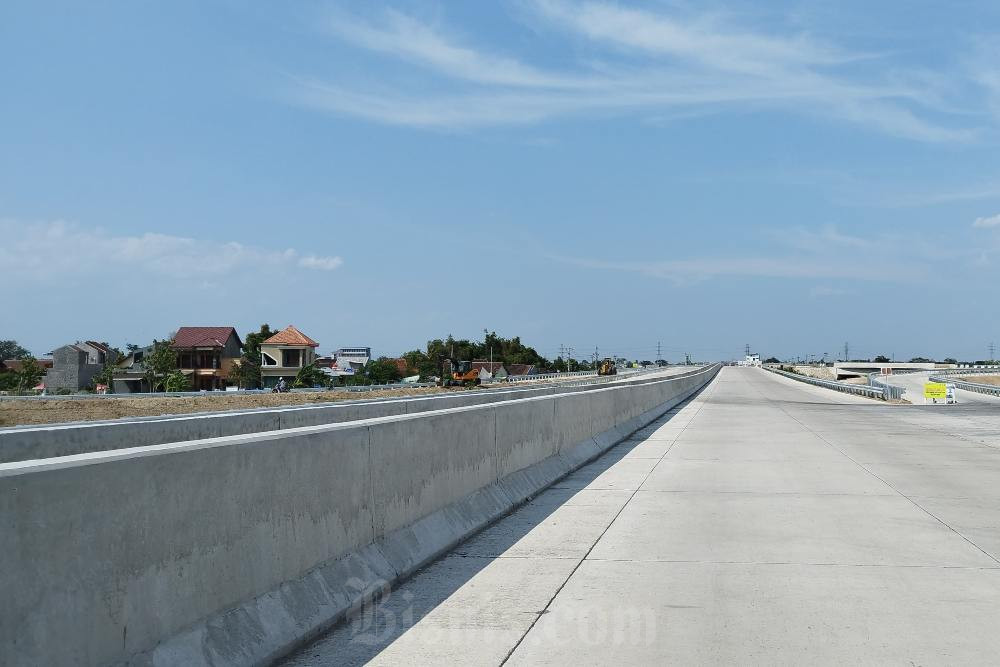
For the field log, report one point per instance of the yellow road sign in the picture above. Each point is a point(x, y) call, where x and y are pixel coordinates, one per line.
point(935, 390)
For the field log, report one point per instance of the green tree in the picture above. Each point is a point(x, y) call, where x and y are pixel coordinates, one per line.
point(176, 381)
point(310, 376)
point(107, 374)
point(247, 373)
point(159, 363)
point(882, 359)
point(9, 349)
point(505, 350)
point(30, 374)
point(382, 371)
point(422, 363)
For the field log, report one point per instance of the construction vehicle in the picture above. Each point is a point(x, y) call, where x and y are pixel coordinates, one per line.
point(459, 374)
point(608, 367)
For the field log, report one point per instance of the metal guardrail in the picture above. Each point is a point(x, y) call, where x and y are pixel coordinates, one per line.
point(346, 388)
point(890, 392)
point(977, 370)
point(538, 376)
point(988, 389)
point(240, 392)
point(857, 389)
point(573, 374)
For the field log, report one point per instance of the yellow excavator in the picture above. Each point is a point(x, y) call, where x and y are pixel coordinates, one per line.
point(460, 374)
point(607, 367)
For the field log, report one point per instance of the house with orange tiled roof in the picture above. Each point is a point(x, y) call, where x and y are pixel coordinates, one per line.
point(284, 354)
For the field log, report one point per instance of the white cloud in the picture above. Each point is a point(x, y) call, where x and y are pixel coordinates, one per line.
point(705, 39)
point(826, 237)
point(59, 249)
point(320, 263)
point(404, 37)
point(992, 221)
point(654, 63)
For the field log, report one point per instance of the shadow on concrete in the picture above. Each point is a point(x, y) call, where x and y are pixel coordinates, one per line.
point(360, 638)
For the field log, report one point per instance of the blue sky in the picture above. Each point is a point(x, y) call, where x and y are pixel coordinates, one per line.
point(789, 175)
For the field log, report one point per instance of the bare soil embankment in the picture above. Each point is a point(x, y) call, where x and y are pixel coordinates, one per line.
point(981, 379)
point(41, 411)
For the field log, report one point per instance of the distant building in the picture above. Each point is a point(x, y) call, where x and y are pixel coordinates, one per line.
point(15, 365)
point(284, 354)
point(519, 370)
point(346, 361)
point(489, 369)
point(128, 377)
point(207, 355)
point(75, 366)
point(354, 355)
point(326, 361)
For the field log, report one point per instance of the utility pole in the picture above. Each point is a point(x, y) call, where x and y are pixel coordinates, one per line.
point(847, 352)
point(659, 354)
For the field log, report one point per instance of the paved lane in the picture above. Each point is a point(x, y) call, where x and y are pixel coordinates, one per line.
point(913, 383)
point(766, 522)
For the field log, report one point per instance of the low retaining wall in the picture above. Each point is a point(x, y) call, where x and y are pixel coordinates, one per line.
point(22, 443)
point(847, 388)
point(234, 550)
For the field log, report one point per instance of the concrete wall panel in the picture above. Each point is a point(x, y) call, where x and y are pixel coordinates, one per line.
point(527, 432)
point(110, 554)
point(421, 464)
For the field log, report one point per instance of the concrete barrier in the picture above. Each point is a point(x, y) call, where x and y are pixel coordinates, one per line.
point(234, 550)
point(22, 443)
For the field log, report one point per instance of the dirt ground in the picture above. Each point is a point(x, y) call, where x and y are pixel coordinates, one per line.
point(819, 372)
point(15, 412)
point(981, 379)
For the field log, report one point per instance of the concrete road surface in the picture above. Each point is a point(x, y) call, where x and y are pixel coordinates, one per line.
point(914, 385)
point(764, 522)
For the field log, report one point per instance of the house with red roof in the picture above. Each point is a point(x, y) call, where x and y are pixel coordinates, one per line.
point(284, 354)
point(489, 369)
point(207, 355)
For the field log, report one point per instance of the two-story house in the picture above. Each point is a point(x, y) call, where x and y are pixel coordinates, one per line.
point(284, 354)
point(74, 366)
point(207, 355)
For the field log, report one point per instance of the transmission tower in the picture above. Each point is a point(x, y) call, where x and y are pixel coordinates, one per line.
point(993, 351)
point(847, 352)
